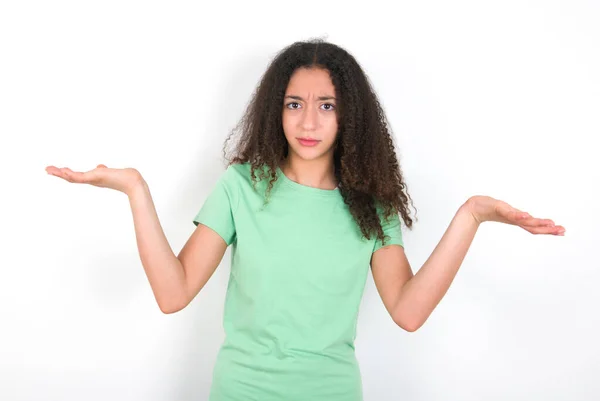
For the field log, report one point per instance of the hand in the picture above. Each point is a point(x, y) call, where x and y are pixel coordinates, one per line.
point(123, 180)
point(485, 208)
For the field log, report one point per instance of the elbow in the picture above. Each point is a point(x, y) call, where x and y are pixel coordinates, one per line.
point(169, 307)
point(411, 328)
point(409, 316)
point(408, 324)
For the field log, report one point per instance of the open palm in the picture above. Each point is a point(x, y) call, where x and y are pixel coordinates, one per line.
point(123, 180)
point(486, 208)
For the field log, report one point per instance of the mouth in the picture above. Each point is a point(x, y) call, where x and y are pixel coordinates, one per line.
point(308, 141)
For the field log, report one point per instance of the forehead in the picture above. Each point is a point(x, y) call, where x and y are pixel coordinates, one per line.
point(313, 80)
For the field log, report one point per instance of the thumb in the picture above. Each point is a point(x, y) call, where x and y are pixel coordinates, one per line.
point(101, 166)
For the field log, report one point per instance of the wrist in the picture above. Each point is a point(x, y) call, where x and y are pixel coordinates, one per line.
point(471, 207)
point(136, 187)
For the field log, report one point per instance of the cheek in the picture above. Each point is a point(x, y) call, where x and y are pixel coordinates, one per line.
point(287, 126)
point(332, 128)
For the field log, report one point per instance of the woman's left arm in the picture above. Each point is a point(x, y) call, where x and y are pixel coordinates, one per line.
point(410, 299)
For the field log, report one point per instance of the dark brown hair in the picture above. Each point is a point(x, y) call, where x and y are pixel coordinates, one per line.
point(366, 165)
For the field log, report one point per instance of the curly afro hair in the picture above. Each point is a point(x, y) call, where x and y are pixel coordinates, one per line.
point(366, 166)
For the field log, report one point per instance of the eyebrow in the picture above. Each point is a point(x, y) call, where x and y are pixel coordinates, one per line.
point(319, 98)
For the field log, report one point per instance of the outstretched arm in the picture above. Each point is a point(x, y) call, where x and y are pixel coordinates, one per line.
point(175, 280)
point(410, 299)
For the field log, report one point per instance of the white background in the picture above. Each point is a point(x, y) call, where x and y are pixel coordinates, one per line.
point(494, 98)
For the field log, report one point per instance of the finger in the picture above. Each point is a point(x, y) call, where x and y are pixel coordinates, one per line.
point(70, 175)
point(56, 171)
point(88, 177)
point(555, 230)
point(101, 166)
point(525, 218)
point(535, 222)
point(517, 216)
point(539, 230)
point(505, 213)
point(52, 170)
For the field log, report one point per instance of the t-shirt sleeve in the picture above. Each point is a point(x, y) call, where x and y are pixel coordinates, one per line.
point(392, 230)
point(218, 209)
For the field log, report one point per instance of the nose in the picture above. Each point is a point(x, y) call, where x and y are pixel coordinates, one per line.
point(310, 118)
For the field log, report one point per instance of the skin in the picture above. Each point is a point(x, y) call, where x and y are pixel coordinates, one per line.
point(309, 111)
point(409, 298)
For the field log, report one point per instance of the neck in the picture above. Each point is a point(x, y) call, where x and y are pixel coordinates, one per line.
point(313, 173)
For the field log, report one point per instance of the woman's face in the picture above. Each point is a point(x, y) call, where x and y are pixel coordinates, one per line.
point(310, 114)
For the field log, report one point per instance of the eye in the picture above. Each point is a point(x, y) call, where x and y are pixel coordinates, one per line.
point(292, 103)
point(331, 106)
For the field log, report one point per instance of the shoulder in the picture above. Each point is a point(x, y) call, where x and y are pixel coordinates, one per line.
point(235, 173)
point(391, 224)
point(240, 175)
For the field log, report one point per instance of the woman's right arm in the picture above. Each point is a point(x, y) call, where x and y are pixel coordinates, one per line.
point(175, 280)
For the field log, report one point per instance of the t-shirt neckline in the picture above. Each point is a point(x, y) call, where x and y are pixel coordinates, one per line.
point(305, 188)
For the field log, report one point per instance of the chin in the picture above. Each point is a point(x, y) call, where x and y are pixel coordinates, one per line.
point(309, 154)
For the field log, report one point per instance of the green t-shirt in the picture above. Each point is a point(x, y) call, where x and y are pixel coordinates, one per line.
point(298, 271)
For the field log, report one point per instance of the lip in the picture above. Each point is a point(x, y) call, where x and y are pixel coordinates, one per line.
point(308, 141)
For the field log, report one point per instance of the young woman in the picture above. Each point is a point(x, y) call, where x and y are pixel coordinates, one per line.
point(310, 200)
